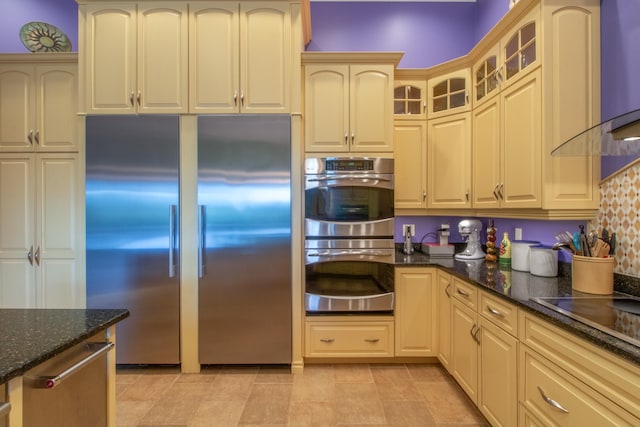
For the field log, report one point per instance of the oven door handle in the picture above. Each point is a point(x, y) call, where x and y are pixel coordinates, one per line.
point(349, 177)
point(347, 252)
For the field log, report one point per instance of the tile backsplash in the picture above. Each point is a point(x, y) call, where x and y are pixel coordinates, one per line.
point(620, 213)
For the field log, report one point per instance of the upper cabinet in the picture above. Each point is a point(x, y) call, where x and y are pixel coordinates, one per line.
point(135, 57)
point(240, 57)
point(188, 57)
point(449, 93)
point(348, 103)
point(38, 103)
point(410, 95)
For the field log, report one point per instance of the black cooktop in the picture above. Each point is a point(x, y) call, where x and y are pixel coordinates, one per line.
point(615, 315)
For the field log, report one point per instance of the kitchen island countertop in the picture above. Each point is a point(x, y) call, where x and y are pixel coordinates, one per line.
point(29, 337)
point(519, 287)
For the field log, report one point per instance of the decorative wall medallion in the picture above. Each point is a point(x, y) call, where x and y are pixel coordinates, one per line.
point(43, 37)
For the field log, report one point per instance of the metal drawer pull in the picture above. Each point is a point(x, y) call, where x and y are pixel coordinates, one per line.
point(347, 252)
point(461, 292)
point(327, 340)
point(5, 408)
point(446, 290)
point(372, 340)
point(102, 347)
point(494, 311)
point(552, 402)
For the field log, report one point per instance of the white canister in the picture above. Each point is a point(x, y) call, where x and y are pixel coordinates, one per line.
point(520, 254)
point(543, 261)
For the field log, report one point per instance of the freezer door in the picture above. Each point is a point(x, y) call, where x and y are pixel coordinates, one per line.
point(132, 232)
point(244, 193)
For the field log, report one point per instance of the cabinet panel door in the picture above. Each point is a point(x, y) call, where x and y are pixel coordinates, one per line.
point(17, 107)
point(326, 108)
point(57, 107)
point(522, 144)
point(265, 52)
point(214, 46)
point(415, 317)
point(498, 375)
point(486, 154)
point(371, 103)
point(16, 205)
point(449, 159)
point(444, 318)
point(464, 354)
point(410, 142)
point(17, 284)
point(57, 284)
point(57, 198)
point(111, 58)
point(162, 59)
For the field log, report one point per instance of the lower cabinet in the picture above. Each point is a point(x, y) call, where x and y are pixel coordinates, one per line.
point(415, 312)
point(353, 336)
point(444, 287)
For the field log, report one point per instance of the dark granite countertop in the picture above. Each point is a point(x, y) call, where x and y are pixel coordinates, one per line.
point(29, 337)
point(520, 288)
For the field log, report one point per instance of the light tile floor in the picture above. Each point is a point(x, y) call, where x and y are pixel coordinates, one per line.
point(324, 395)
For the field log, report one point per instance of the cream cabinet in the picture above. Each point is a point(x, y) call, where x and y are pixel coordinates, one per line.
point(410, 157)
point(484, 351)
point(348, 104)
point(38, 103)
point(534, 88)
point(507, 163)
point(353, 336)
point(410, 95)
point(134, 57)
point(240, 57)
point(415, 312)
point(443, 312)
point(39, 240)
point(449, 161)
point(449, 93)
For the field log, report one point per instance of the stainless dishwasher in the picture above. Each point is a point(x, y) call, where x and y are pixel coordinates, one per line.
point(70, 389)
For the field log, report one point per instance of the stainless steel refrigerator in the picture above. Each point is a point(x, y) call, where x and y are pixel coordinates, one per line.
point(132, 231)
point(244, 198)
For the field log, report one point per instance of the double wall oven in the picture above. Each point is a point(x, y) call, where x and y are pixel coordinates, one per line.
point(349, 226)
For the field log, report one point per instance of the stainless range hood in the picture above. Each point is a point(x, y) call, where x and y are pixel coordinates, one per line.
point(619, 136)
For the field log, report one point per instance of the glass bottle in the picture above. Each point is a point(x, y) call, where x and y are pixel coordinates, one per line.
point(505, 250)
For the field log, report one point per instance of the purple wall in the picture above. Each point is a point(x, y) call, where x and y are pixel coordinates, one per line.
point(15, 13)
point(620, 27)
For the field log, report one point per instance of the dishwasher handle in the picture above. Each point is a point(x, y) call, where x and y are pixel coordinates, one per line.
point(99, 347)
point(5, 408)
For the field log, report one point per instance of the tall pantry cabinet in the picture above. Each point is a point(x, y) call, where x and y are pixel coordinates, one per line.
point(40, 216)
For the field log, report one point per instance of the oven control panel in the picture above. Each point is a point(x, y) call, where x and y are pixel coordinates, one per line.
point(323, 165)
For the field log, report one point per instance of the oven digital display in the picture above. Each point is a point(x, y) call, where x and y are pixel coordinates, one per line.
point(349, 165)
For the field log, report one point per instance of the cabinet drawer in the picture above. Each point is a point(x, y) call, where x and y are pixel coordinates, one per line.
point(349, 340)
point(556, 398)
point(499, 312)
point(466, 292)
point(611, 376)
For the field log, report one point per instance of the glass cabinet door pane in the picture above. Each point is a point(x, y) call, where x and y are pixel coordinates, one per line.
point(413, 92)
point(399, 92)
point(440, 104)
point(440, 89)
point(456, 85)
point(414, 107)
point(527, 34)
point(512, 46)
point(457, 100)
point(528, 55)
point(398, 107)
point(480, 92)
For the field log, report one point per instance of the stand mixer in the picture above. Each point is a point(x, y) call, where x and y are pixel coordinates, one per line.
point(470, 229)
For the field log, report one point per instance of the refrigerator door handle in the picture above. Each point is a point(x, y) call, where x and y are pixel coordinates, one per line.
point(201, 241)
point(172, 240)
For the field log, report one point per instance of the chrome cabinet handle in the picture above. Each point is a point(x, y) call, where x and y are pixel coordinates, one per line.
point(5, 408)
point(242, 98)
point(353, 137)
point(346, 138)
point(327, 340)
point(172, 240)
point(52, 381)
point(495, 191)
point(201, 242)
point(372, 340)
point(494, 311)
point(30, 136)
point(462, 292)
point(235, 98)
point(37, 137)
point(552, 402)
point(131, 99)
point(474, 333)
point(138, 98)
point(424, 195)
point(446, 290)
point(30, 255)
point(500, 191)
point(37, 256)
point(466, 195)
